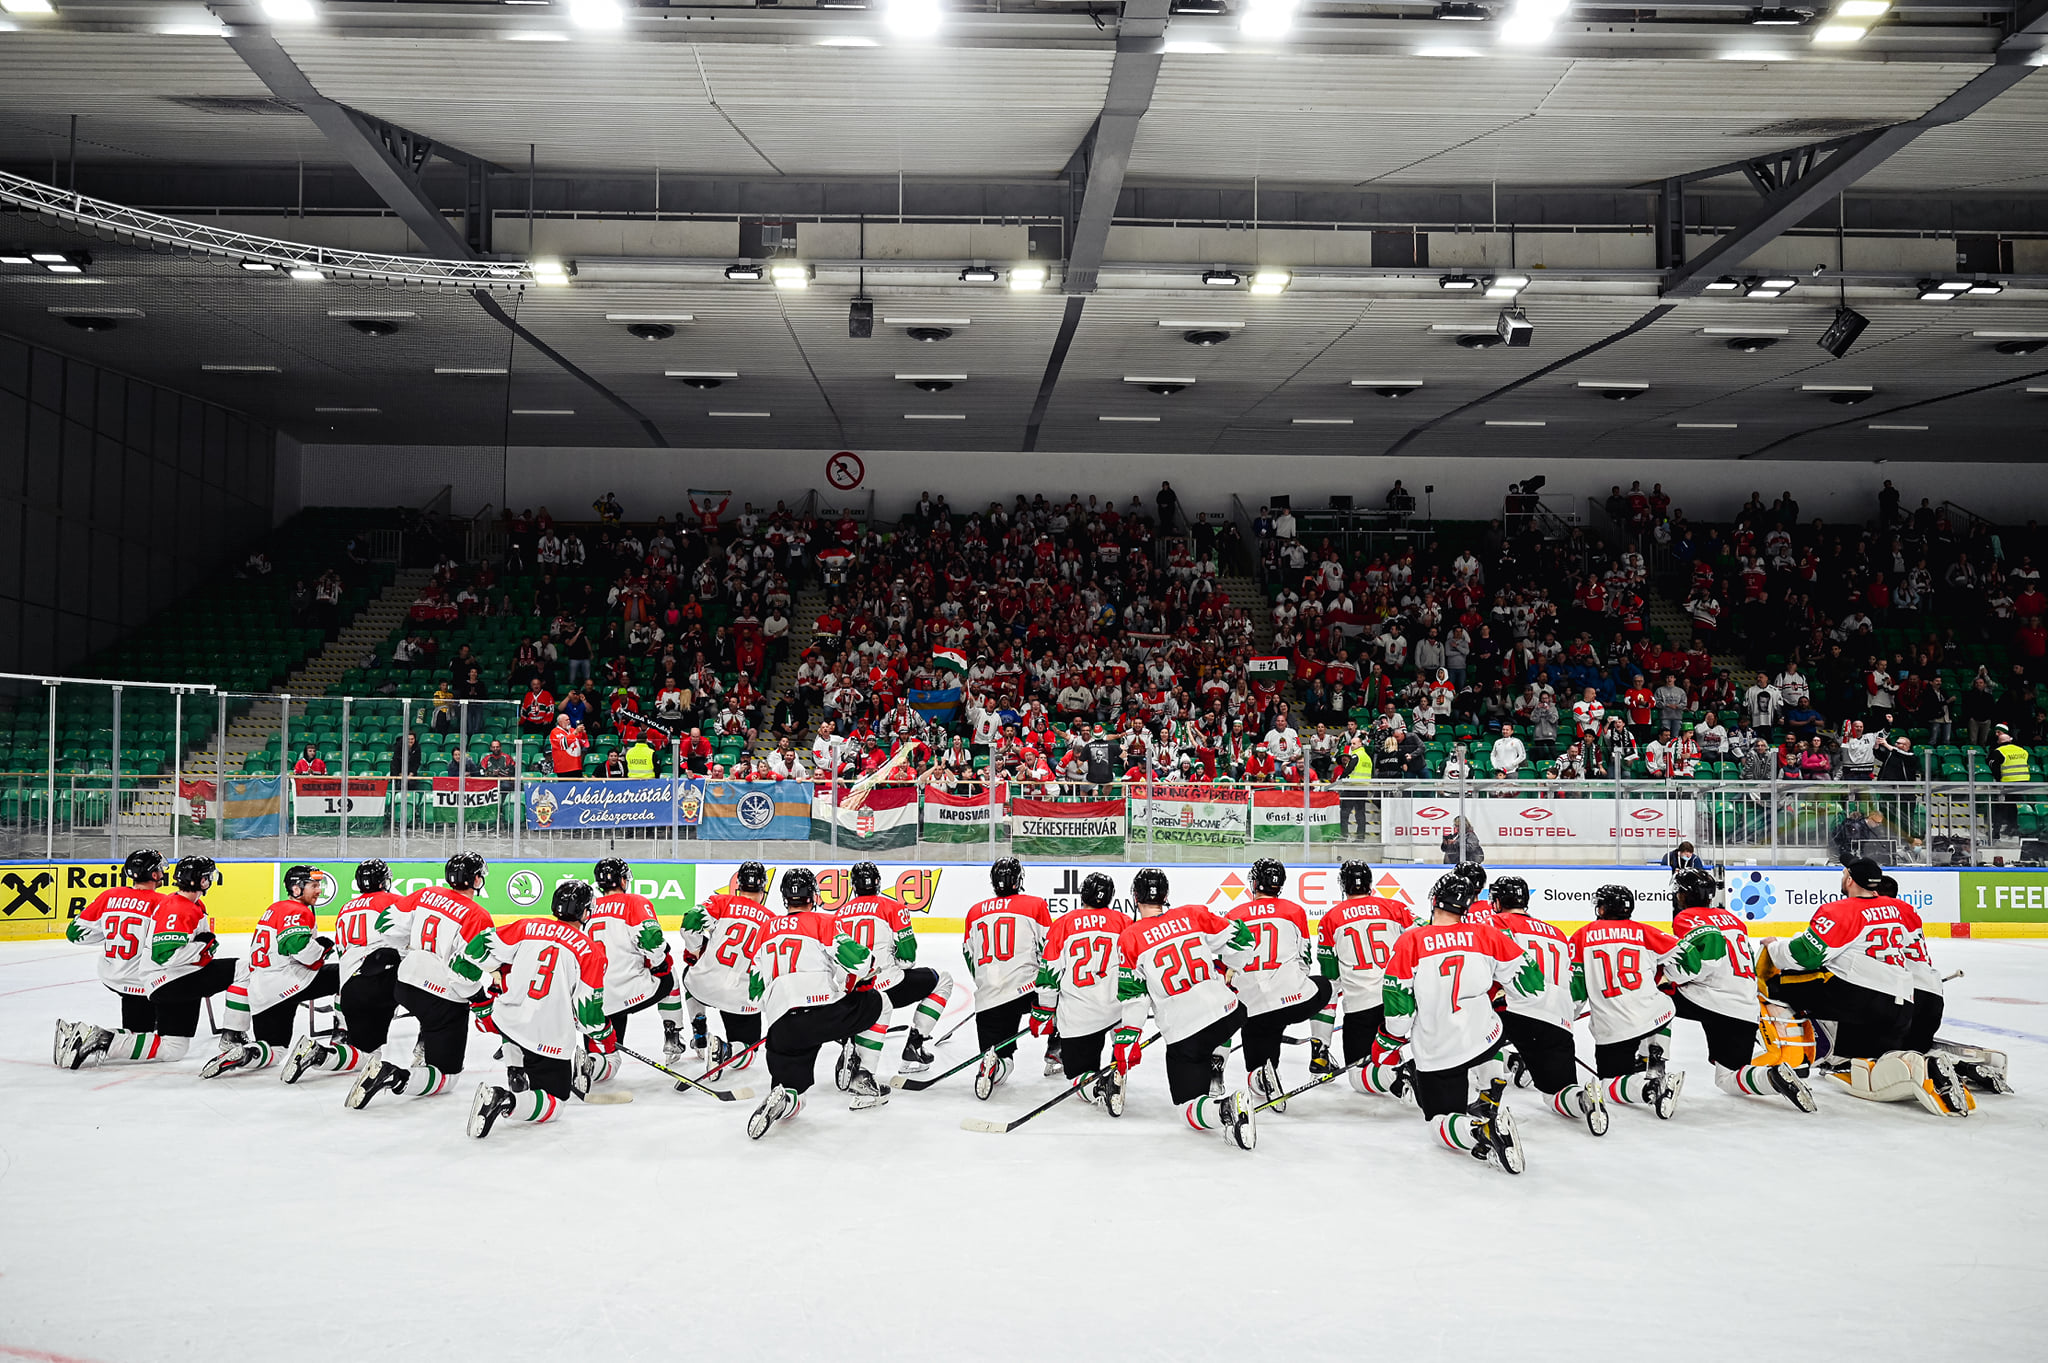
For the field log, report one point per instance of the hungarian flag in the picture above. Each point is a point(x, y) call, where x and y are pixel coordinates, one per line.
point(1047, 828)
point(950, 660)
point(885, 817)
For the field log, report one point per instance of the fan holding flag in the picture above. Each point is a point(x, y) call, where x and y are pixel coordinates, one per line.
point(952, 662)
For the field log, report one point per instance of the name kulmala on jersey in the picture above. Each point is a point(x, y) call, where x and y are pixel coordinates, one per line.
point(726, 951)
point(121, 923)
point(283, 956)
point(439, 925)
point(1083, 953)
point(1621, 958)
point(1274, 972)
point(366, 924)
point(1450, 972)
point(628, 929)
point(554, 986)
point(1360, 932)
point(1176, 956)
point(1728, 986)
point(1004, 940)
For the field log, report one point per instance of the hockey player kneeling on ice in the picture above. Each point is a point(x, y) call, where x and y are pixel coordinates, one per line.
point(1721, 997)
point(1619, 959)
point(815, 987)
point(440, 925)
point(1440, 1022)
point(551, 1013)
point(1353, 944)
point(720, 937)
point(882, 925)
point(1975, 1066)
point(178, 971)
point(118, 923)
point(1276, 980)
point(286, 966)
point(370, 943)
point(1077, 990)
point(1849, 968)
point(1004, 942)
point(1539, 1025)
point(1170, 957)
point(639, 971)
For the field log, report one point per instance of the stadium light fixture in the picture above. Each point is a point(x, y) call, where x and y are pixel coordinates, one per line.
point(1838, 34)
point(1222, 279)
point(1027, 278)
point(290, 11)
point(1458, 283)
point(1267, 19)
point(27, 6)
point(980, 274)
point(914, 19)
point(596, 15)
point(1269, 282)
point(549, 271)
point(307, 273)
point(790, 276)
point(744, 274)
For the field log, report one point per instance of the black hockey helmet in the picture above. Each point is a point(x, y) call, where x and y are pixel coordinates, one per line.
point(799, 887)
point(572, 901)
point(144, 863)
point(465, 871)
point(194, 874)
point(1614, 901)
point(1097, 890)
point(297, 878)
point(1692, 889)
point(373, 876)
point(1006, 875)
point(752, 878)
point(1149, 886)
point(1864, 872)
point(1472, 871)
point(1511, 894)
point(1269, 877)
point(1452, 893)
point(866, 877)
point(611, 874)
point(1355, 877)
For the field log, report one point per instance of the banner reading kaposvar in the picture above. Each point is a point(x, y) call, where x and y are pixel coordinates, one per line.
point(1535, 830)
point(614, 804)
point(1048, 828)
point(963, 818)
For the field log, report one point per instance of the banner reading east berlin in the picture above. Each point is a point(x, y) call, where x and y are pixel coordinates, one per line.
point(1277, 815)
point(963, 818)
point(885, 817)
point(1087, 828)
point(753, 811)
point(611, 804)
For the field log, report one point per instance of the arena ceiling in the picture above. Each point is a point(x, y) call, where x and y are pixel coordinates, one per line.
point(1111, 142)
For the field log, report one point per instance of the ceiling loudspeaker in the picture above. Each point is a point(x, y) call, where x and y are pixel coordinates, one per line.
point(1202, 336)
point(2022, 347)
point(1515, 328)
point(703, 381)
point(860, 319)
point(651, 331)
point(1165, 390)
point(1842, 332)
point(1750, 345)
point(373, 326)
point(930, 335)
point(84, 323)
point(1477, 340)
point(1848, 399)
point(933, 385)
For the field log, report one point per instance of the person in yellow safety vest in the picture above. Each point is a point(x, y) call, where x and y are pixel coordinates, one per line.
point(640, 761)
point(1354, 772)
point(2011, 761)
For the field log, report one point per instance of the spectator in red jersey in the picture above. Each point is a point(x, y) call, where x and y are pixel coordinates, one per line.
point(310, 763)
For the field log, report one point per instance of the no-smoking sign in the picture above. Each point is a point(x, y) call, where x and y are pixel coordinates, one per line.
point(845, 471)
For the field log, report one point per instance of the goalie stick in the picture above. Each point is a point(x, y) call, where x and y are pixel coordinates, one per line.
point(1004, 1128)
point(722, 1095)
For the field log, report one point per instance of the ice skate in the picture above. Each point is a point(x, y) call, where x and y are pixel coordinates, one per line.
point(1948, 1086)
point(917, 1055)
point(1111, 1089)
point(490, 1104)
point(1791, 1087)
point(1977, 1066)
point(1592, 1108)
point(779, 1106)
point(1053, 1064)
point(993, 1070)
point(1237, 1122)
point(1265, 1086)
point(85, 1044)
point(1216, 1089)
point(700, 1032)
point(1518, 1070)
point(849, 1065)
point(867, 1092)
point(1665, 1087)
point(671, 1041)
point(61, 1041)
point(717, 1054)
point(1500, 1144)
point(1319, 1062)
point(587, 1066)
point(230, 1057)
point(307, 1054)
point(374, 1082)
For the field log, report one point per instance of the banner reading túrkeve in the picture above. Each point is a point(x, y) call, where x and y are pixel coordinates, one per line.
point(1086, 828)
point(884, 817)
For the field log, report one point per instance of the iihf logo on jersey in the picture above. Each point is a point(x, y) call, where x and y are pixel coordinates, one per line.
point(1752, 896)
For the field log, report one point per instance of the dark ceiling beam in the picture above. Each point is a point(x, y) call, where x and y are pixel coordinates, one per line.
point(1832, 173)
point(1133, 75)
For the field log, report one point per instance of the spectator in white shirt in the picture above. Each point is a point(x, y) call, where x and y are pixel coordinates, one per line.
point(1712, 737)
point(1792, 685)
point(1761, 703)
point(1283, 524)
point(1508, 752)
point(1859, 753)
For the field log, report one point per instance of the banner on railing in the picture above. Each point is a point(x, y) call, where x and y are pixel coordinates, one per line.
point(473, 792)
point(775, 811)
point(1536, 829)
point(322, 797)
point(962, 818)
point(1213, 816)
point(884, 817)
point(1278, 815)
point(1086, 828)
point(245, 807)
point(556, 805)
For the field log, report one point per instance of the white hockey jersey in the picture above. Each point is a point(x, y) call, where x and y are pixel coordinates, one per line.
point(365, 924)
point(1080, 977)
point(283, 956)
point(1728, 986)
point(1620, 958)
point(720, 937)
point(1173, 959)
point(443, 926)
point(554, 986)
point(1552, 952)
point(1861, 940)
point(1274, 972)
point(805, 961)
point(625, 925)
point(1004, 940)
point(1438, 983)
point(1356, 939)
point(119, 923)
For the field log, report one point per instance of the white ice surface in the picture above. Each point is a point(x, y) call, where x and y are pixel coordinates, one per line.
point(145, 1215)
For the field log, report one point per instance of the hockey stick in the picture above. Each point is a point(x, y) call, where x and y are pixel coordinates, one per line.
point(1313, 1083)
point(1957, 975)
point(733, 1059)
point(1004, 1128)
point(914, 1085)
point(722, 1095)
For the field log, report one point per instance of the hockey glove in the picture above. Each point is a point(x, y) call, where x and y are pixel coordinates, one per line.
point(1387, 1051)
point(1041, 1020)
point(480, 1013)
point(1127, 1050)
point(605, 1043)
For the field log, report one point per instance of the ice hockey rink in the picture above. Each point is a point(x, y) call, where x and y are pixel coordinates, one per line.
point(657, 1230)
